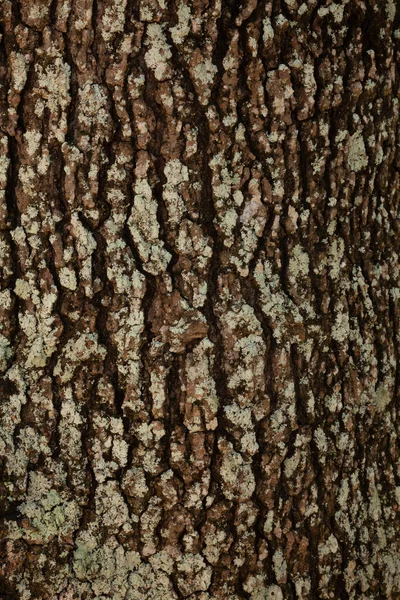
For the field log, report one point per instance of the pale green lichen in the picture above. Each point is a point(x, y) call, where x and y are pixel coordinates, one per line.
point(390, 9)
point(357, 155)
point(291, 464)
point(144, 228)
point(299, 263)
point(94, 114)
point(113, 19)
point(246, 364)
point(268, 32)
point(53, 81)
point(180, 31)
point(67, 278)
point(176, 174)
point(5, 352)
point(205, 72)
point(335, 257)
point(106, 566)
point(330, 546)
point(321, 442)
point(49, 513)
point(242, 419)
point(382, 397)
point(77, 351)
point(32, 139)
point(237, 477)
point(196, 574)
point(19, 69)
point(280, 566)
point(200, 385)
point(159, 51)
point(275, 303)
point(336, 10)
point(340, 330)
point(40, 326)
point(252, 220)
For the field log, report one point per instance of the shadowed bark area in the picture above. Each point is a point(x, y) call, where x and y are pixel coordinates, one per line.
point(199, 305)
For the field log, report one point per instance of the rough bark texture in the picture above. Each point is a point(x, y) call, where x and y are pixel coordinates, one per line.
point(200, 299)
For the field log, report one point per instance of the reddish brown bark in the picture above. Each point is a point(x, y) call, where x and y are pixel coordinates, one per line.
point(199, 209)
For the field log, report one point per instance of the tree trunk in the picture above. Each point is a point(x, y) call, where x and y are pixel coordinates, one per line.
point(200, 299)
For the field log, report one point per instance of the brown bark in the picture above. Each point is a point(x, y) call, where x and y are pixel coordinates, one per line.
point(199, 340)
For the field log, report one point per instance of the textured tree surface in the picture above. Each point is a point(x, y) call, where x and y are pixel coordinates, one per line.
point(200, 312)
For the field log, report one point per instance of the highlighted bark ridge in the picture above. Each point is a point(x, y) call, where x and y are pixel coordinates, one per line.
point(199, 302)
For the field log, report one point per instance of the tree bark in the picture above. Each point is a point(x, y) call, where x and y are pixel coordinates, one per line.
point(199, 340)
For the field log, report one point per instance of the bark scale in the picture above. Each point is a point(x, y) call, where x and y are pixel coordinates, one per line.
point(199, 210)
